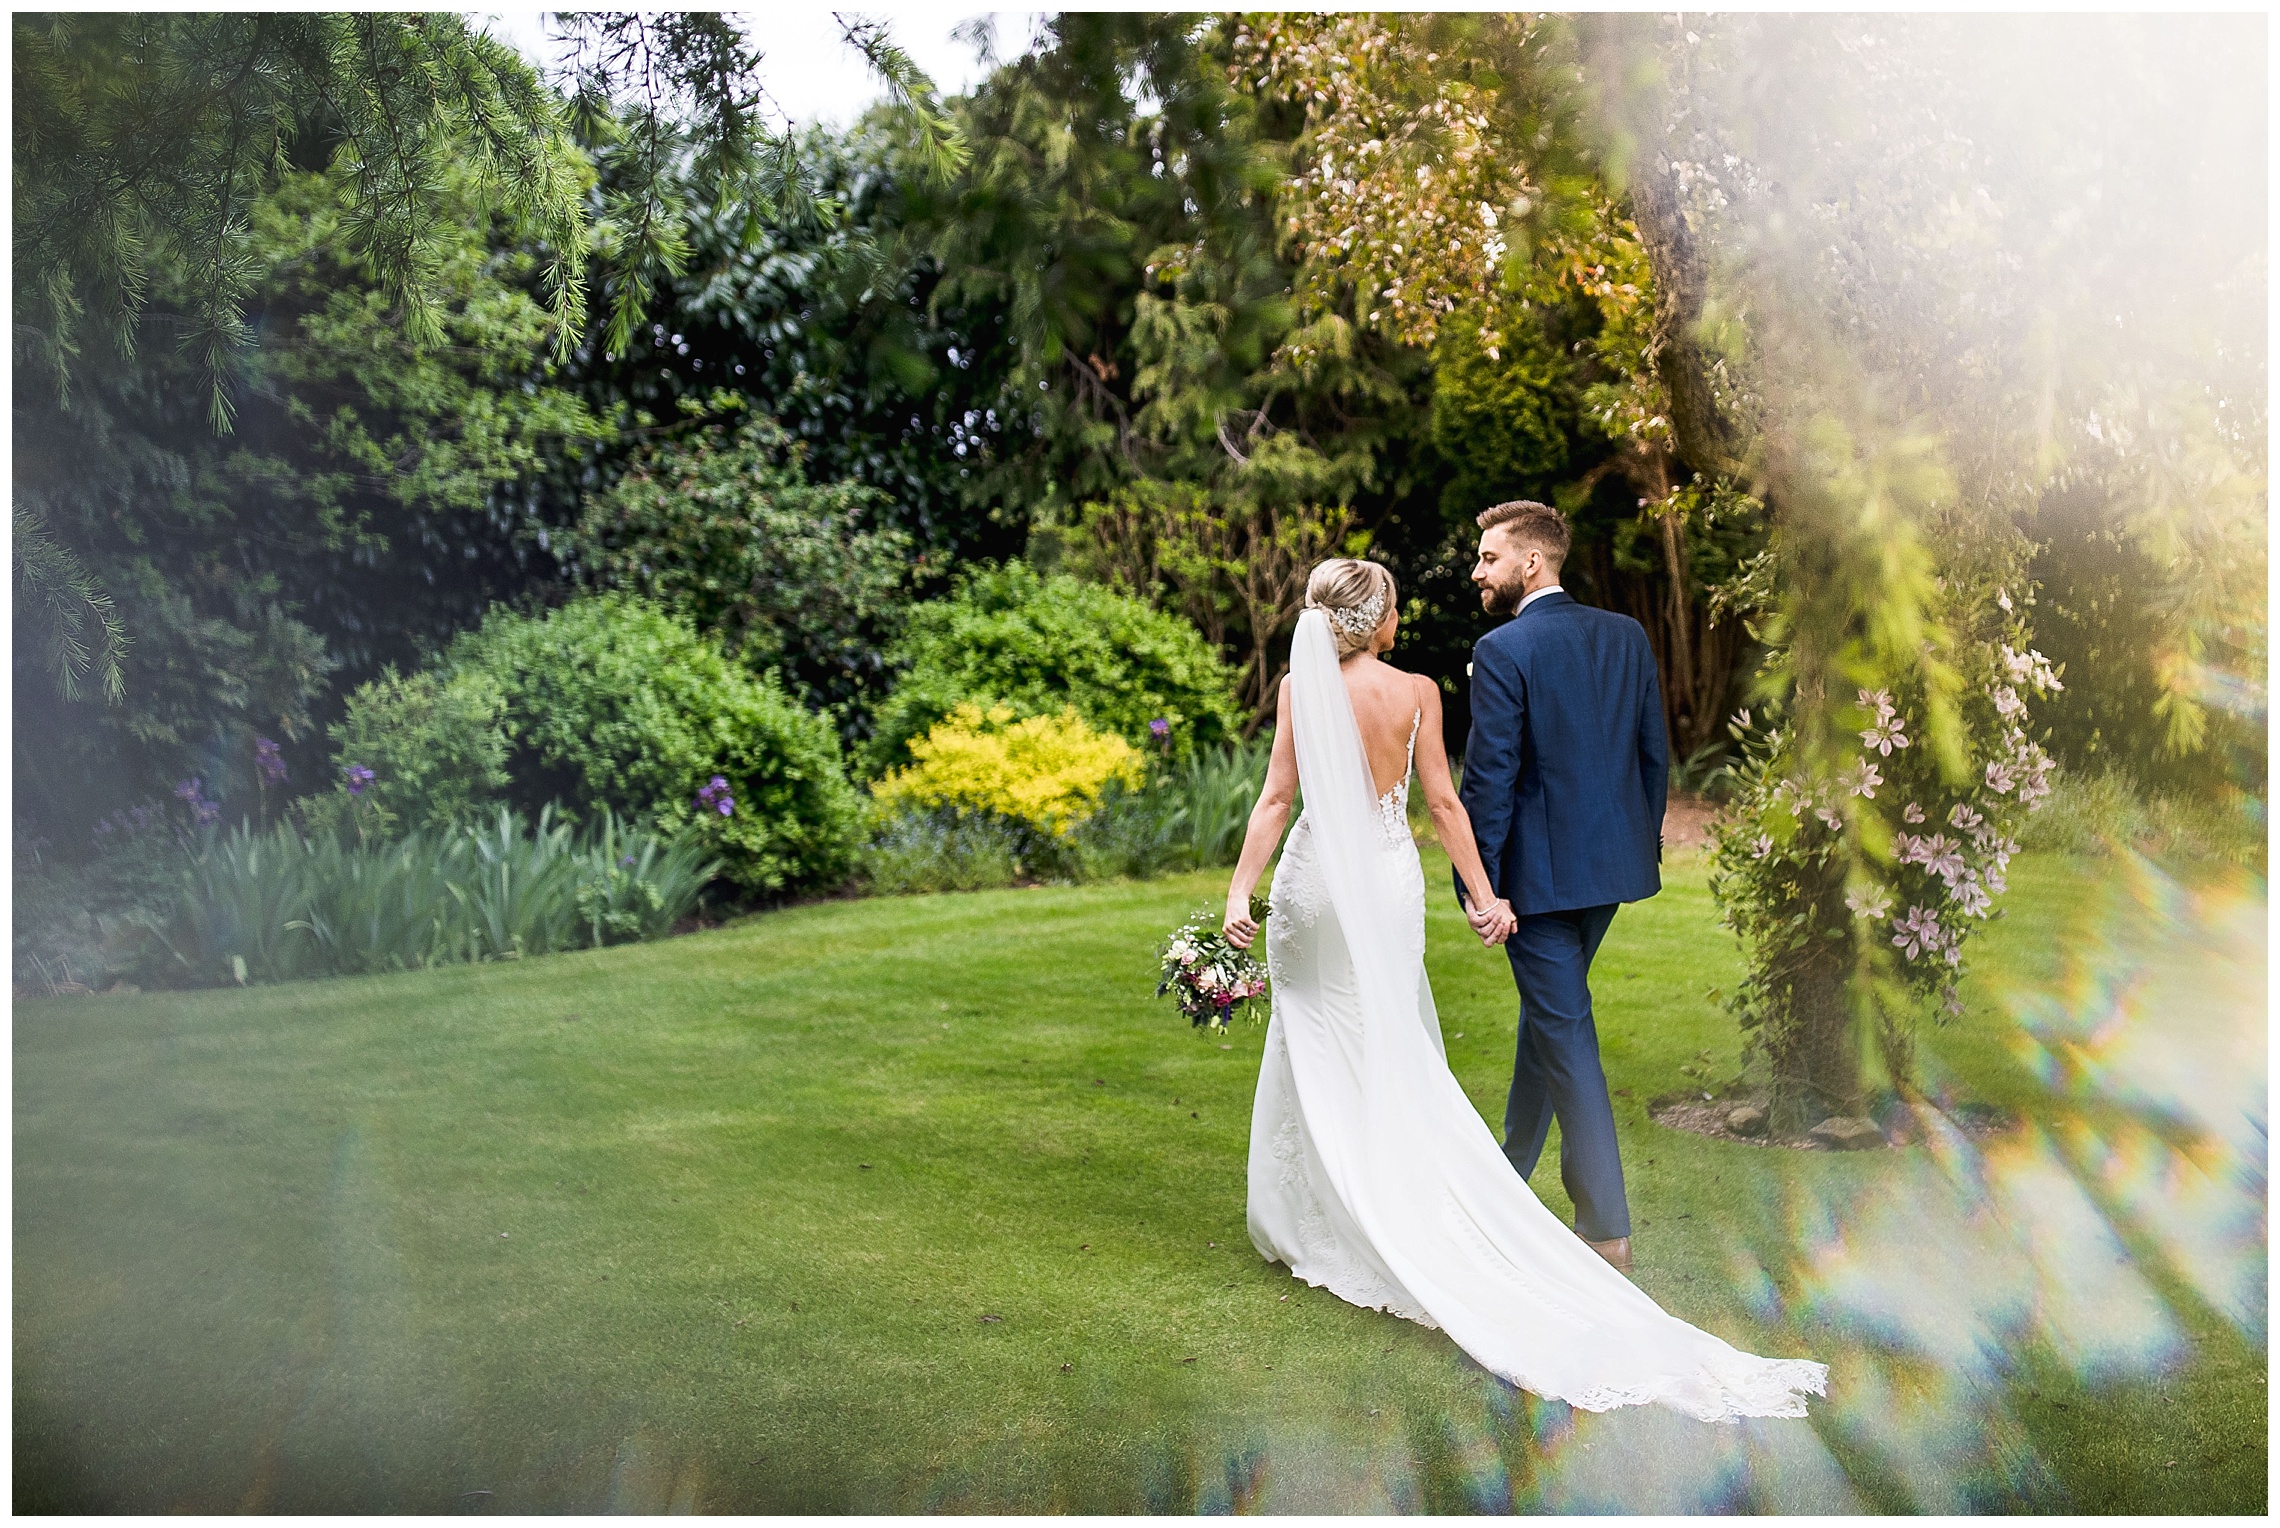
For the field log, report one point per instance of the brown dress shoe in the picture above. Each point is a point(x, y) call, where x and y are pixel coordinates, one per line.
point(1617, 1252)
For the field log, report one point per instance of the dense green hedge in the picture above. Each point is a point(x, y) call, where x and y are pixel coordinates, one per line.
point(1038, 644)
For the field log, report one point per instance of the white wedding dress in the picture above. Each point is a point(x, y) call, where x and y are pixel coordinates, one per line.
point(1372, 1176)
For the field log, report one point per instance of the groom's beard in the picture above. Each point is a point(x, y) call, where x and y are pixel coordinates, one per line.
point(1503, 598)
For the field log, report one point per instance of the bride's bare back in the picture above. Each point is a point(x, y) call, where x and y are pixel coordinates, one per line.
point(1387, 706)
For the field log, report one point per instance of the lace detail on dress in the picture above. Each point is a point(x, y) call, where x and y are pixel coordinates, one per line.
point(1393, 806)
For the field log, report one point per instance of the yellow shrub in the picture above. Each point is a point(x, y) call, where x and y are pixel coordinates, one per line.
point(1047, 770)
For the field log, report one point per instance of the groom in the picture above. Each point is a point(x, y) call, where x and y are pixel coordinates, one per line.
point(1565, 774)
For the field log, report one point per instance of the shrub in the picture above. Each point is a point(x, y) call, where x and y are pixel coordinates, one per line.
point(1215, 790)
point(77, 918)
point(609, 704)
point(435, 744)
point(1038, 645)
point(944, 849)
point(1047, 771)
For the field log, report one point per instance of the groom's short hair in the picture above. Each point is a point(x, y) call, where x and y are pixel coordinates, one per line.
point(1530, 524)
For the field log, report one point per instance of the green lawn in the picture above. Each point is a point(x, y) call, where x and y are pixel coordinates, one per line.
point(925, 1204)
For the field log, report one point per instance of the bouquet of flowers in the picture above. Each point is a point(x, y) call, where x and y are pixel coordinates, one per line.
point(1208, 977)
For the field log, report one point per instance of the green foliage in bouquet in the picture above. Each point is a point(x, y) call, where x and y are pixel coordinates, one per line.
point(1209, 978)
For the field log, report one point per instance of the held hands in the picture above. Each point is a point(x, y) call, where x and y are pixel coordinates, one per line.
point(1494, 923)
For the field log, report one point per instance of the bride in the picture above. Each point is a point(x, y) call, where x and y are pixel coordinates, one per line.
point(1371, 1174)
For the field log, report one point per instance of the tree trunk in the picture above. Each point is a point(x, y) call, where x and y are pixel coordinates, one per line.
point(1813, 1050)
point(1814, 1059)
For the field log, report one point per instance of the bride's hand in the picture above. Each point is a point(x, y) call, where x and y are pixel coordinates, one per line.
point(1495, 922)
point(1239, 927)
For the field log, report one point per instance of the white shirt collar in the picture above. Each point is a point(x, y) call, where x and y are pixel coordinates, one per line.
point(1539, 594)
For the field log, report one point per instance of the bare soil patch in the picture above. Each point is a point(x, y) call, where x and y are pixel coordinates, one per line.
point(1686, 822)
point(1699, 1116)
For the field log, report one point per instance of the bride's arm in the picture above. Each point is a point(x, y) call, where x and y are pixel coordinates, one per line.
point(1451, 822)
point(1267, 820)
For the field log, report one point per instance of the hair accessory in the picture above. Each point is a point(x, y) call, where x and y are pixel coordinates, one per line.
point(1355, 623)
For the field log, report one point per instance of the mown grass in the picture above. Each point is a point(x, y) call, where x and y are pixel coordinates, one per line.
point(724, 1222)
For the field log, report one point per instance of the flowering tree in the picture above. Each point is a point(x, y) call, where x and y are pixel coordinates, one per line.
point(1904, 297)
point(1855, 891)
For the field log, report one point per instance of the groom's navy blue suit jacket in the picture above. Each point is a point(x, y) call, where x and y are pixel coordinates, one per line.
point(1567, 766)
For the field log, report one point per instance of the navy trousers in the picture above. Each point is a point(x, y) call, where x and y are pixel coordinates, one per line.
point(1555, 1067)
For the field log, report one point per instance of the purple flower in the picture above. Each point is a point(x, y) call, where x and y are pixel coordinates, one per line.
point(192, 792)
point(270, 760)
point(1160, 728)
point(1968, 895)
point(626, 863)
point(1918, 932)
point(714, 797)
point(358, 778)
point(1943, 857)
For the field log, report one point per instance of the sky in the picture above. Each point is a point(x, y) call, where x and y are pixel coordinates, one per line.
point(812, 75)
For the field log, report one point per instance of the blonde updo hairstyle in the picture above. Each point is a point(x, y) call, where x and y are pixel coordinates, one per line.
point(1355, 595)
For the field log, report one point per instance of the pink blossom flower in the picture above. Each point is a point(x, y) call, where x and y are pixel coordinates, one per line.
point(1969, 896)
point(2007, 702)
point(1964, 817)
point(1943, 857)
point(1884, 737)
point(1912, 813)
point(1999, 778)
point(1917, 932)
point(1762, 847)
